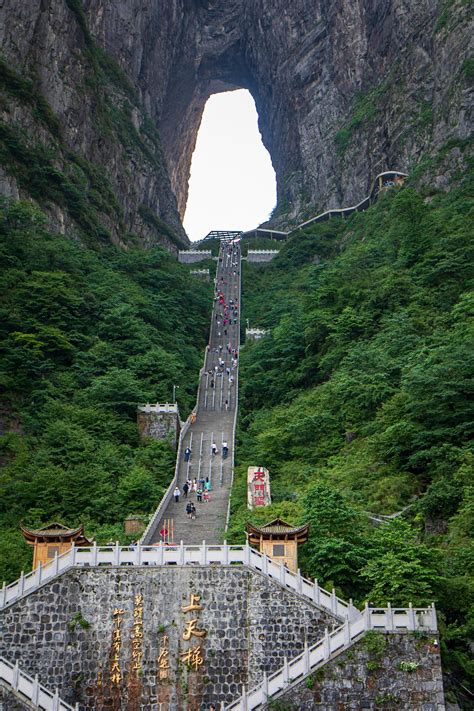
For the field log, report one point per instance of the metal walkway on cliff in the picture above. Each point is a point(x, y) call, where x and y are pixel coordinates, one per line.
point(387, 179)
point(216, 412)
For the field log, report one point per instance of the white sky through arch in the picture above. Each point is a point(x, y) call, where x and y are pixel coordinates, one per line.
point(232, 184)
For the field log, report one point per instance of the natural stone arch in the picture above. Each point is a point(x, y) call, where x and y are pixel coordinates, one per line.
point(305, 63)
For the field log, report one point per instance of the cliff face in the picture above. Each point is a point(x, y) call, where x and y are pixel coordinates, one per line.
point(343, 89)
point(75, 135)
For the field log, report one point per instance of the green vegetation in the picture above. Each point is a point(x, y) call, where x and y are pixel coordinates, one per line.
point(467, 68)
point(375, 644)
point(158, 225)
point(25, 91)
point(387, 699)
point(34, 168)
point(78, 621)
point(409, 667)
point(366, 108)
point(359, 399)
point(86, 336)
point(45, 167)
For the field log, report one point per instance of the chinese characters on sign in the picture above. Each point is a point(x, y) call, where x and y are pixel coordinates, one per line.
point(163, 658)
point(258, 487)
point(137, 633)
point(115, 672)
point(193, 656)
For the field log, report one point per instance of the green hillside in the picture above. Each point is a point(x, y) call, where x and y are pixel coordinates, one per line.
point(86, 336)
point(360, 400)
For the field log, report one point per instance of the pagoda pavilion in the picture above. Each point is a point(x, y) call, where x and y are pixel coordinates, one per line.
point(53, 539)
point(279, 541)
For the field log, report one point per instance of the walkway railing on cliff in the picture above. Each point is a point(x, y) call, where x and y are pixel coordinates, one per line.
point(30, 688)
point(312, 658)
point(236, 410)
point(326, 215)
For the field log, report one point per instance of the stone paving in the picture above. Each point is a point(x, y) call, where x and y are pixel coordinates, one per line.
point(214, 422)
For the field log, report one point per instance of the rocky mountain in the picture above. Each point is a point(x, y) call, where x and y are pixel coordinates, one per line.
point(110, 96)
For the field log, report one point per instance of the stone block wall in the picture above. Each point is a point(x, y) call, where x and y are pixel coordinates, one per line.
point(261, 256)
point(10, 702)
point(192, 256)
point(159, 425)
point(381, 671)
point(66, 631)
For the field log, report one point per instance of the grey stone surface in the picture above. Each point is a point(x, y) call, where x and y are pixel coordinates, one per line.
point(215, 422)
point(251, 624)
point(159, 425)
point(194, 256)
point(261, 256)
point(361, 679)
point(344, 90)
point(9, 701)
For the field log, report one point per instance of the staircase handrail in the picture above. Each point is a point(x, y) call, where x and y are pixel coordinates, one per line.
point(368, 200)
point(336, 211)
point(203, 554)
point(177, 554)
point(236, 395)
point(167, 496)
point(321, 651)
point(31, 689)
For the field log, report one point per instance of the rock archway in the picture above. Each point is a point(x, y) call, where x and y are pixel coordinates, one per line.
point(343, 89)
point(305, 63)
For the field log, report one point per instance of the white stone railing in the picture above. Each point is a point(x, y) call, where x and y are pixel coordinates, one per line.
point(31, 689)
point(195, 251)
point(159, 407)
point(168, 495)
point(383, 619)
point(236, 409)
point(191, 256)
point(255, 333)
point(178, 554)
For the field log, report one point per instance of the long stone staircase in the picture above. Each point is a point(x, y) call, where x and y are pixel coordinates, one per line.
point(200, 542)
point(216, 410)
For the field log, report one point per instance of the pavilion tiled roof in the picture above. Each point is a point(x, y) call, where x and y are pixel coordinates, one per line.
point(278, 527)
point(55, 530)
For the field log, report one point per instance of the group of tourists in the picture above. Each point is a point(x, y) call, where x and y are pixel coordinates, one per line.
point(201, 487)
point(226, 316)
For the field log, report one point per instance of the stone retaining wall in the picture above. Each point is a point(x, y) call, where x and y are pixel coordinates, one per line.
point(9, 702)
point(362, 678)
point(261, 256)
point(64, 632)
point(159, 425)
point(192, 256)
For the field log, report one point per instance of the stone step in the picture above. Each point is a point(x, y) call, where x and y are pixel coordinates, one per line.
point(214, 423)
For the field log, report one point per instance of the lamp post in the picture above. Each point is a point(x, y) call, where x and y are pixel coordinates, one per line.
point(174, 392)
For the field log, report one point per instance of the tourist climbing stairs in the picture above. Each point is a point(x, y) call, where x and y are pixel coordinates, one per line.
point(212, 424)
